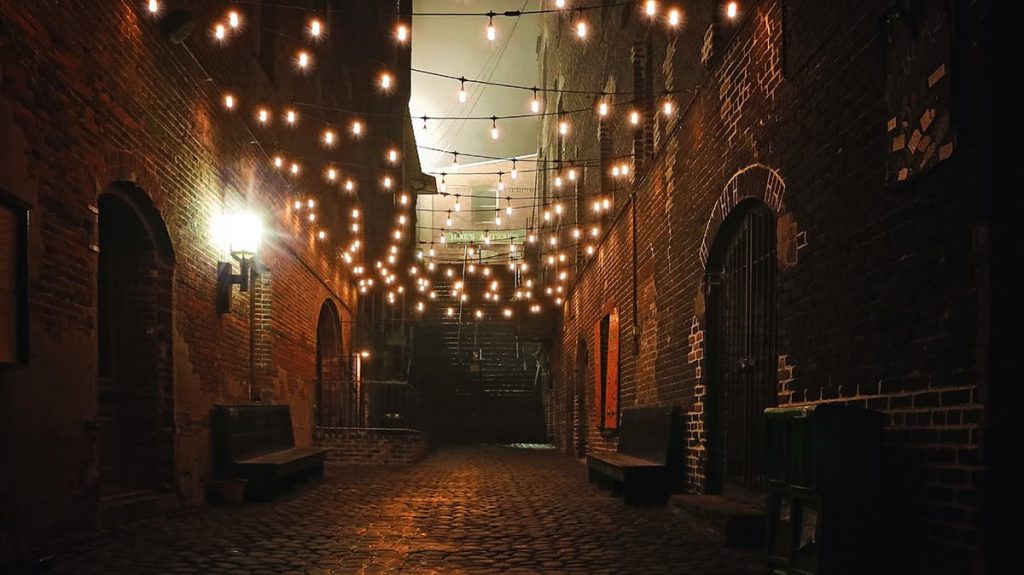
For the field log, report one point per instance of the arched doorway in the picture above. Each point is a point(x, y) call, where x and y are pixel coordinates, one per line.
point(332, 401)
point(741, 355)
point(581, 398)
point(135, 394)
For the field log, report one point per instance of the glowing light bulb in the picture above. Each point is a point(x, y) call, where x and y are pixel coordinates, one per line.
point(732, 9)
point(634, 117)
point(651, 7)
point(404, 200)
point(229, 102)
point(558, 209)
point(491, 32)
point(572, 174)
point(321, 234)
point(458, 205)
point(668, 107)
point(674, 17)
point(295, 169)
point(515, 173)
point(393, 155)
point(350, 185)
point(602, 108)
point(332, 174)
point(494, 128)
point(462, 91)
point(312, 217)
point(278, 161)
point(263, 116)
point(219, 31)
point(298, 205)
point(581, 28)
point(447, 222)
point(315, 28)
point(233, 19)
point(385, 81)
point(355, 213)
point(402, 32)
point(535, 103)
point(154, 6)
point(290, 117)
point(558, 181)
point(357, 127)
point(387, 181)
point(615, 171)
point(302, 59)
point(560, 3)
point(563, 127)
point(508, 209)
point(329, 137)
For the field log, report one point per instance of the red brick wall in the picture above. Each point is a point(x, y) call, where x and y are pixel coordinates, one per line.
point(94, 94)
point(372, 446)
point(877, 291)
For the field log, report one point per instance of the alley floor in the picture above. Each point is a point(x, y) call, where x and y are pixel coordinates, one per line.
point(462, 510)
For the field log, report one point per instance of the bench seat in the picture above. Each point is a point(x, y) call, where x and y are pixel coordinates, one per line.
point(643, 468)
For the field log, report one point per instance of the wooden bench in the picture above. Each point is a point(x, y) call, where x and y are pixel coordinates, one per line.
point(255, 442)
point(648, 462)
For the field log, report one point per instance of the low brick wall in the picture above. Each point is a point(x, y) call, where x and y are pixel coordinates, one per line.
point(380, 446)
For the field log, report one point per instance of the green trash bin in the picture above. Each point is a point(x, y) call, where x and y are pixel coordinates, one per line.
point(822, 477)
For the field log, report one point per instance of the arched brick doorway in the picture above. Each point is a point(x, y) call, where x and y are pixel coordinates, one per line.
point(741, 359)
point(332, 398)
point(580, 393)
point(135, 393)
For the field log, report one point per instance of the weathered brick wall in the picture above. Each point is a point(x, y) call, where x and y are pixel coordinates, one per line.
point(372, 446)
point(94, 94)
point(878, 293)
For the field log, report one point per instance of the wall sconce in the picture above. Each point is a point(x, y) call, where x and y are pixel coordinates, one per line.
point(242, 232)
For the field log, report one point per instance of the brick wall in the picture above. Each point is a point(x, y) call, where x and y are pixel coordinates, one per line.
point(372, 446)
point(878, 299)
point(92, 96)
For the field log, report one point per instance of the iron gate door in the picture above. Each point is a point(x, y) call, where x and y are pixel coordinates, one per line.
point(741, 339)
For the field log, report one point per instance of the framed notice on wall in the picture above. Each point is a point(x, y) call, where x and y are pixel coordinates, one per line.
point(13, 280)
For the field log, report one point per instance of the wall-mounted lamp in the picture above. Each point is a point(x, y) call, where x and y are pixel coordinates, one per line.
point(242, 232)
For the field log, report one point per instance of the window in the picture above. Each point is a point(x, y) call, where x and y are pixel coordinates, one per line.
point(606, 371)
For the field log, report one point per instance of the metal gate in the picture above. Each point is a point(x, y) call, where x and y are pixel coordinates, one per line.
point(741, 346)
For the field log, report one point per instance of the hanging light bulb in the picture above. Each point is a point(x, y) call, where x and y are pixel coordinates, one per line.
point(674, 17)
point(290, 117)
point(355, 213)
point(497, 217)
point(234, 20)
point(515, 173)
point(278, 161)
point(393, 155)
point(602, 108)
point(321, 235)
point(443, 240)
point(402, 33)
point(229, 101)
point(357, 127)
point(328, 138)
point(350, 185)
point(501, 184)
point(455, 160)
point(572, 174)
point(494, 127)
point(487, 237)
point(462, 90)
point(458, 206)
point(263, 116)
point(424, 122)
point(558, 181)
point(668, 107)
point(560, 3)
point(298, 205)
point(491, 32)
point(332, 174)
point(563, 127)
point(220, 32)
point(732, 9)
point(154, 6)
point(295, 169)
point(404, 200)
point(315, 28)
point(581, 28)
point(634, 117)
point(508, 207)
point(547, 215)
point(558, 209)
point(443, 187)
point(447, 222)
point(385, 81)
point(302, 59)
point(387, 182)
point(535, 103)
point(651, 7)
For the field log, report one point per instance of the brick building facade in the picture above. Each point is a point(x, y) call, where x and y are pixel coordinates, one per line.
point(117, 141)
point(797, 114)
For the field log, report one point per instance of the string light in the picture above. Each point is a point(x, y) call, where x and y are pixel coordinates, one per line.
point(674, 17)
point(501, 184)
point(732, 10)
point(404, 200)
point(491, 33)
point(385, 81)
point(424, 122)
point(581, 26)
point(634, 117)
point(229, 101)
point(328, 138)
point(560, 3)
point(602, 108)
point(515, 173)
point(154, 6)
point(233, 19)
point(462, 90)
point(447, 222)
point(443, 187)
point(497, 217)
point(263, 116)
point(322, 234)
point(651, 7)
point(315, 28)
point(402, 33)
point(295, 169)
point(458, 205)
point(357, 127)
point(332, 174)
point(387, 182)
point(393, 155)
point(278, 161)
point(494, 127)
point(350, 185)
point(508, 207)
point(563, 127)
point(302, 59)
point(535, 103)
point(668, 107)
point(219, 32)
point(290, 117)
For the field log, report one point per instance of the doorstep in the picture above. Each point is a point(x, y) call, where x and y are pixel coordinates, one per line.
point(742, 523)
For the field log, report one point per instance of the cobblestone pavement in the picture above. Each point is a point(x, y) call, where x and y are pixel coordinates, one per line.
point(465, 510)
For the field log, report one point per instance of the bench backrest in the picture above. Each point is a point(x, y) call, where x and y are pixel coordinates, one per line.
point(651, 433)
point(244, 431)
